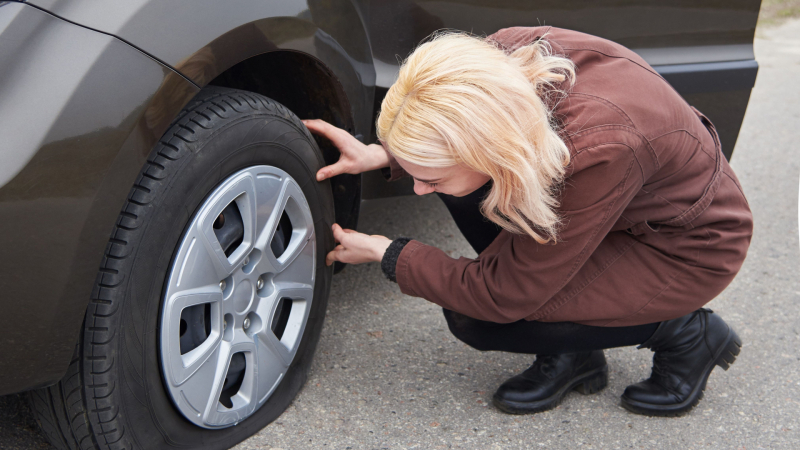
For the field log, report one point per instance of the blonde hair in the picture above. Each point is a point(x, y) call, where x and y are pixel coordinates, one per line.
point(460, 99)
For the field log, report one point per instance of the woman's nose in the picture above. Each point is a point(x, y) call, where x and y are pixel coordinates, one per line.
point(421, 188)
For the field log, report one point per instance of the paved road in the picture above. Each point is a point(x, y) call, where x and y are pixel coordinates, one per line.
point(388, 375)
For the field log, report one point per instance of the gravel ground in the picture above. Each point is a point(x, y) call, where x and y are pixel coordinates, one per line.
point(388, 374)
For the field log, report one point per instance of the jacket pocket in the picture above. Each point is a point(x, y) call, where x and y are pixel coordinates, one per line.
point(643, 227)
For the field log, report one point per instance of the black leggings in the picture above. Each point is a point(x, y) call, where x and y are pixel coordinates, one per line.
point(524, 336)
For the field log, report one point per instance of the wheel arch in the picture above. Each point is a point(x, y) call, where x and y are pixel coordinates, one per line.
point(318, 64)
point(311, 90)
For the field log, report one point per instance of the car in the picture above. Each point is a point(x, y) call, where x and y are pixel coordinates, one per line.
point(163, 236)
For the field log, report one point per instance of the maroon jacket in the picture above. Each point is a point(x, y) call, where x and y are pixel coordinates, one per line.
point(655, 221)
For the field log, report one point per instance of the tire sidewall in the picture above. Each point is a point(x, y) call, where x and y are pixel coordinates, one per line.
point(243, 141)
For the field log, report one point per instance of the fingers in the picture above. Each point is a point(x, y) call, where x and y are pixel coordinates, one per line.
point(334, 255)
point(332, 170)
point(314, 125)
point(355, 247)
point(339, 233)
point(347, 250)
point(333, 134)
point(322, 128)
point(337, 253)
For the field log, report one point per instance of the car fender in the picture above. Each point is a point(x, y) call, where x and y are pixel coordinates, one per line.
point(80, 112)
point(203, 38)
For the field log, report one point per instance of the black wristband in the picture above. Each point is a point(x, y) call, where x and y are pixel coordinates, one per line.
point(389, 260)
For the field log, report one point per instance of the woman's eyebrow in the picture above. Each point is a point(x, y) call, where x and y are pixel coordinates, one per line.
point(427, 181)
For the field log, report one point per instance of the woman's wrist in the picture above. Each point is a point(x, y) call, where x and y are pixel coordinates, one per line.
point(378, 158)
point(380, 247)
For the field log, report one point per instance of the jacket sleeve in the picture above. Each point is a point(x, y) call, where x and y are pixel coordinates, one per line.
point(515, 276)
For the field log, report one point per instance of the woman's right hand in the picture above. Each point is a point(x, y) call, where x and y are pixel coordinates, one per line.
point(355, 157)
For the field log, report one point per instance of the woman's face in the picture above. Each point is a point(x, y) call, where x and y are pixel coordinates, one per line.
point(455, 180)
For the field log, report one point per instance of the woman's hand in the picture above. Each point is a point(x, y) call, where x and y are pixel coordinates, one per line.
point(356, 248)
point(355, 157)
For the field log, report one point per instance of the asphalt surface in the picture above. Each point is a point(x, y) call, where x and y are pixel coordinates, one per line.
point(388, 374)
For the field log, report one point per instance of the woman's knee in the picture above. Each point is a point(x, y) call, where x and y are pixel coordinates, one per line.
point(468, 330)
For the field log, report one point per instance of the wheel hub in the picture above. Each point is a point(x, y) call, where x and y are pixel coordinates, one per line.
point(243, 296)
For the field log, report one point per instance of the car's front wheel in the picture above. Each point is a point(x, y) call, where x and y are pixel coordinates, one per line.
point(211, 297)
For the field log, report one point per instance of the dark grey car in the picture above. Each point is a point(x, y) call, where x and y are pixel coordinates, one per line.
point(162, 236)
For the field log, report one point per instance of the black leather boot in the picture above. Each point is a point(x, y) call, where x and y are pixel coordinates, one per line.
point(686, 350)
point(543, 385)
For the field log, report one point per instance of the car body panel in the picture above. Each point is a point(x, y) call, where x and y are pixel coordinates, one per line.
point(80, 111)
point(676, 32)
point(203, 38)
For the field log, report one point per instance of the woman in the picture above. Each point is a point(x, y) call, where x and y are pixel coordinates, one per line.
point(600, 204)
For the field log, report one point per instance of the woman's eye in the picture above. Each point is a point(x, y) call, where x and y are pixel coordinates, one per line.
point(432, 184)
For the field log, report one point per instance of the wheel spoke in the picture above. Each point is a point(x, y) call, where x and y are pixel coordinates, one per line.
point(291, 201)
point(182, 366)
point(245, 400)
point(270, 188)
point(271, 366)
point(302, 267)
point(242, 190)
point(270, 213)
point(201, 390)
point(197, 265)
point(300, 240)
point(301, 296)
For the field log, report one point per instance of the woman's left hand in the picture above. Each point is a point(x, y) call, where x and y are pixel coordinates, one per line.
point(356, 248)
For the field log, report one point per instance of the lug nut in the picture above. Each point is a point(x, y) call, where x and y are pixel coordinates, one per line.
point(246, 323)
point(222, 285)
point(260, 283)
point(246, 260)
point(224, 324)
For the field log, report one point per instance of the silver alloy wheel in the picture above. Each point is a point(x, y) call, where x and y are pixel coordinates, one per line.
point(231, 323)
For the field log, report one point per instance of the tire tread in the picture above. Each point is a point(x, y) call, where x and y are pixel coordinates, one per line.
point(60, 410)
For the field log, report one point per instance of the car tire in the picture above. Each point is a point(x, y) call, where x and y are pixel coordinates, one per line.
point(118, 392)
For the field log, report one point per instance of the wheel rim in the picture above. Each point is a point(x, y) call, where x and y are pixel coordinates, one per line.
point(238, 296)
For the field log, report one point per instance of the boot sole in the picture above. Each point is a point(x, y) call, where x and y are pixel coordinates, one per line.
point(587, 383)
point(724, 358)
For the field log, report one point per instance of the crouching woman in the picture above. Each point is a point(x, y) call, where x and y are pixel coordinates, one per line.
point(602, 209)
